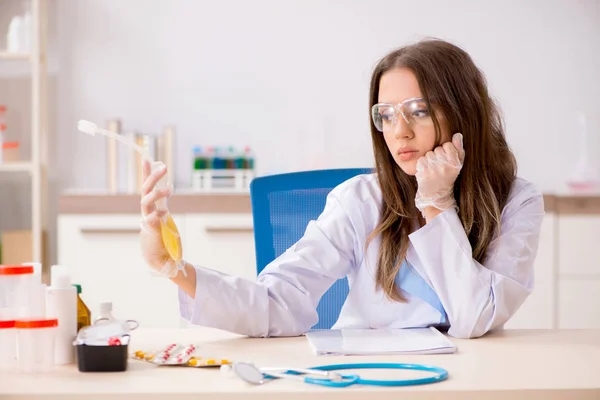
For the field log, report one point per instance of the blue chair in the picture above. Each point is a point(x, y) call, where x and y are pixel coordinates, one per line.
point(282, 207)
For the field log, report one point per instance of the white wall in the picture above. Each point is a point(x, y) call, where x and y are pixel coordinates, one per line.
point(290, 78)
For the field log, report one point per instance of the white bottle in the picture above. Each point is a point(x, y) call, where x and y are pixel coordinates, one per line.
point(26, 31)
point(105, 312)
point(14, 35)
point(37, 293)
point(61, 303)
point(585, 174)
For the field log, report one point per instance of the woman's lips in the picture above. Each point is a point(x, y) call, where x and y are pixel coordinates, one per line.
point(406, 155)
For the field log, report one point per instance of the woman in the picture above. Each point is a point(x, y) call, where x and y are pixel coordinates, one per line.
point(443, 234)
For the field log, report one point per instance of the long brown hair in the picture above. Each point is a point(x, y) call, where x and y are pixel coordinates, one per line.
point(455, 88)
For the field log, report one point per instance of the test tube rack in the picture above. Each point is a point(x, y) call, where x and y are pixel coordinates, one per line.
point(222, 179)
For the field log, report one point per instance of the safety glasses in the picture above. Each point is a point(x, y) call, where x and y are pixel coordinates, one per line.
point(414, 111)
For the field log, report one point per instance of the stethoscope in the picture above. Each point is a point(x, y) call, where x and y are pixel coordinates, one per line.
point(324, 375)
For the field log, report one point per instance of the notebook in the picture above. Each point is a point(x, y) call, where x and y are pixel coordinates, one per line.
point(379, 341)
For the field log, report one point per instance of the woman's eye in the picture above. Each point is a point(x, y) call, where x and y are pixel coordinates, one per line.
point(387, 116)
point(422, 113)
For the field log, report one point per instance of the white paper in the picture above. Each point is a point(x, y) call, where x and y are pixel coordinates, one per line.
point(379, 341)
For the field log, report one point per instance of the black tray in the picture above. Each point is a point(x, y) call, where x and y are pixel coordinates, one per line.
point(102, 358)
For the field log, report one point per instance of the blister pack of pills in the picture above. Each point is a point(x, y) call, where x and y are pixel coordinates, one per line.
point(178, 354)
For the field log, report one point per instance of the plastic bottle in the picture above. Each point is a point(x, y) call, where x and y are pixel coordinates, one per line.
point(198, 166)
point(84, 316)
point(249, 163)
point(231, 158)
point(37, 293)
point(15, 35)
point(61, 304)
point(219, 161)
point(199, 161)
point(584, 175)
point(105, 312)
point(26, 31)
point(239, 158)
point(210, 157)
point(2, 130)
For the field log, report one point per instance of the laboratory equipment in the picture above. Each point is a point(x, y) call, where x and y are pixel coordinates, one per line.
point(222, 168)
point(36, 339)
point(585, 174)
point(8, 345)
point(325, 375)
point(165, 146)
point(37, 293)
point(102, 331)
point(84, 315)
point(169, 231)
point(14, 37)
point(112, 157)
point(105, 311)
point(2, 130)
point(103, 346)
point(10, 151)
point(15, 286)
point(107, 358)
point(61, 304)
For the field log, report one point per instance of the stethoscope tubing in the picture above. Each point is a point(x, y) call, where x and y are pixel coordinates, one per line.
point(440, 375)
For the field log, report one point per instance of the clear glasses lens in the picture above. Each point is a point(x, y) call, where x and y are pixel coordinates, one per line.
point(414, 112)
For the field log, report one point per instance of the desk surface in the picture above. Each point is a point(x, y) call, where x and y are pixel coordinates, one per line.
point(511, 364)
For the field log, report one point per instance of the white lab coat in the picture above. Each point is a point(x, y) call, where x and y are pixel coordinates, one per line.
point(282, 302)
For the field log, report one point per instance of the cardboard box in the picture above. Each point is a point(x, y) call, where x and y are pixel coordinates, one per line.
point(17, 247)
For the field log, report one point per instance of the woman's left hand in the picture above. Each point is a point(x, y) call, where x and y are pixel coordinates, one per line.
point(436, 173)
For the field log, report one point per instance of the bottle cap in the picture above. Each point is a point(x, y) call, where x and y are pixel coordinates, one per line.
point(106, 306)
point(7, 324)
point(15, 270)
point(36, 323)
point(59, 277)
point(78, 287)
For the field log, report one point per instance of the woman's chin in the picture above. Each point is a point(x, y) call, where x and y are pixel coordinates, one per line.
point(409, 167)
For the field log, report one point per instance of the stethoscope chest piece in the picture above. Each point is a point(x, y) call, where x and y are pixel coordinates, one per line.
point(249, 373)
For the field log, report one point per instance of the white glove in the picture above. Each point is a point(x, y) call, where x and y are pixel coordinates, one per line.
point(436, 173)
point(153, 249)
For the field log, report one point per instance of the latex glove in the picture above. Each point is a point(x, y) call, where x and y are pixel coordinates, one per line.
point(153, 249)
point(436, 173)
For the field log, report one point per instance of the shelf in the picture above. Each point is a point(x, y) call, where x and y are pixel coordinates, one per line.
point(15, 167)
point(15, 56)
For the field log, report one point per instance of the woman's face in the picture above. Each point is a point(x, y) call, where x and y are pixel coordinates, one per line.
point(403, 117)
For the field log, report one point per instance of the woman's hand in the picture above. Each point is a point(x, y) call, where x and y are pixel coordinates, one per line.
point(153, 249)
point(436, 173)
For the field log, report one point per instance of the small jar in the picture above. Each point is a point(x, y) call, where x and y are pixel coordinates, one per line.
point(8, 345)
point(35, 338)
point(10, 151)
point(15, 285)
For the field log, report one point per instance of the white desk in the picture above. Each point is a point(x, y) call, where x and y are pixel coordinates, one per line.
point(504, 365)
